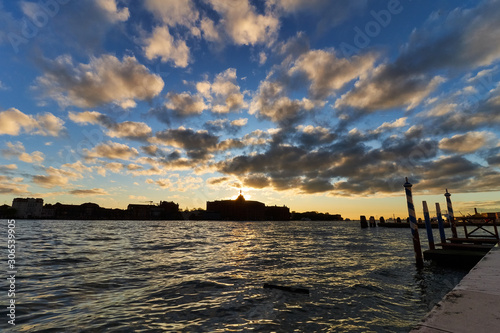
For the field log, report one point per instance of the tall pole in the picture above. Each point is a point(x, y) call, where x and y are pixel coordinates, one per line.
point(413, 224)
point(450, 214)
point(440, 223)
point(428, 226)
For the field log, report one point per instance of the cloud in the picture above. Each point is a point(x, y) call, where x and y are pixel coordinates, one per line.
point(494, 159)
point(228, 97)
point(150, 150)
point(217, 180)
point(456, 172)
point(13, 122)
point(242, 23)
point(468, 142)
point(12, 186)
point(126, 129)
point(328, 73)
point(17, 150)
point(386, 126)
point(78, 166)
point(313, 136)
point(223, 93)
point(283, 168)
point(115, 167)
point(104, 80)
point(331, 13)
point(270, 103)
point(173, 12)
point(161, 44)
point(196, 143)
point(185, 104)
point(319, 71)
point(388, 88)
point(262, 58)
point(55, 177)
point(130, 129)
point(111, 150)
point(175, 183)
point(225, 125)
point(138, 197)
point(89, 192)
point(463, 40)
point(89, 117)
point(8, 167)
point(72, 27)
point(210, 32)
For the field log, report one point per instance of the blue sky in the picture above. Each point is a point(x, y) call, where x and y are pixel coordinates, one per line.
point(318, 105)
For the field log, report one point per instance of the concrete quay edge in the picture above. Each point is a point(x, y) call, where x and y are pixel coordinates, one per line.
point(473, 305)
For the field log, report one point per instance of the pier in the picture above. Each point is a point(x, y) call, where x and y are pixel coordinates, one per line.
point(472, 306)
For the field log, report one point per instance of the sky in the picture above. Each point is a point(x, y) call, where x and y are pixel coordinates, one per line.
point(314, 104)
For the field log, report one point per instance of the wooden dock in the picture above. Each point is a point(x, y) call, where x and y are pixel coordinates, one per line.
point(473, 305)
point(466, 251)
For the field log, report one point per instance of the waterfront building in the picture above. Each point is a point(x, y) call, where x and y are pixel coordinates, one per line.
point(241, 209)
point(28, 208)
point(277, 213)
point(164, 211)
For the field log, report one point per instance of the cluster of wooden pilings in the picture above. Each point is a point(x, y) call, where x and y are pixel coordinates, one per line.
point(464, 251)
point(364, 223)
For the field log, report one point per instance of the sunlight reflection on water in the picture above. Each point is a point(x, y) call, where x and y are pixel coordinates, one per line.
point(197, 276)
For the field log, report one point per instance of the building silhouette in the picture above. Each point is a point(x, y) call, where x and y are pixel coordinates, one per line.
point(241, 209)
point(164, 211)
point(28, 208)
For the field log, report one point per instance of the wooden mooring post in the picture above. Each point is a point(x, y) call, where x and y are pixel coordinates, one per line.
point(440, 223)
point(362, 220)
point(451, 216)
point(413, 224)
point(428, 226)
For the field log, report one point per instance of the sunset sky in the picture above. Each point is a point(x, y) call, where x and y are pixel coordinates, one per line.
point(314, 104)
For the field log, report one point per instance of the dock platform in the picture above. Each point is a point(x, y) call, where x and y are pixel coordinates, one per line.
point(473, 305)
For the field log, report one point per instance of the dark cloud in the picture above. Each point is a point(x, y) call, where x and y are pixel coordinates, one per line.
point(225, 125)
point(462, 40)
point(150, 150)
point(456, 172)
point(219, 180)
point(90, 192)
point(196, 143)
point(330, 13)
point(494, 160)
point(257, 181)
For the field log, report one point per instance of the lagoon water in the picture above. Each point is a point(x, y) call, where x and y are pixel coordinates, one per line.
point(206, 276)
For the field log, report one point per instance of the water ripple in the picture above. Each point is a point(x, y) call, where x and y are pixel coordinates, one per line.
point(201, 276)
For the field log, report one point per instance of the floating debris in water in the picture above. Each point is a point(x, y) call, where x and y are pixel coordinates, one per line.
point(287, 288)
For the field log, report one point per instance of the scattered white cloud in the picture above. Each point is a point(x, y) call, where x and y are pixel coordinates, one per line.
point(173, 12)
point(56, 177)
point(14, 122)
point(161, 44)
point(126, 129)
point(17, 150)
point(111, 150)
point(185, 104)
point(241, 22)
point(103, 80)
